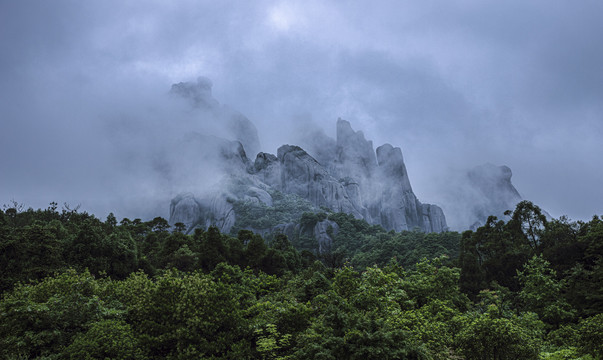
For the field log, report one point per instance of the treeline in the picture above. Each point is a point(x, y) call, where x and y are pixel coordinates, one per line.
point(38, 243)
point(362, 245)
point(76, 287)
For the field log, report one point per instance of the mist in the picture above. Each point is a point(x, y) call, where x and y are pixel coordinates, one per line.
point(86, 114)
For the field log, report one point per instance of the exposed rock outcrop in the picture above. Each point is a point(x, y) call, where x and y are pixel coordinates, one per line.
point(400, 208)
point(493, 192)
point(215, 209)
point(199, 93)
point(237, 126)
point(185, 209)
point(244, 131)
point(356, 180)
point(345, 174)
point(374, 187)
point(473, 195)
point(355, 155)
point(206, 151)
point(321, 234)
point(302, 175)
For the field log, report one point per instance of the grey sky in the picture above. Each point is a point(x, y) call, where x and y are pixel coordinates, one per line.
point(453, 83)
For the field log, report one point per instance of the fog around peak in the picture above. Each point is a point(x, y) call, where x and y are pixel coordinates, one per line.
point(86, 115)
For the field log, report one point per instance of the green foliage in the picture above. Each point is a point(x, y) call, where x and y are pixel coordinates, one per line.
point(431, 280)
point(31, 252)
point(435, 325)
point(527, 224)
point(76, 287)
point(184, 315)
point(489, 336)
point(497, 251)
point(541, 292)
point(564, 354)
point(590, 337)
point(270, 342)
point(365, 245)
point(105, 339)
point(286, 208)
point(38, 320)
point(344, 332)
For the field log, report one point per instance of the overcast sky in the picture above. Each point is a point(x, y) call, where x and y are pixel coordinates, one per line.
point(455, 84)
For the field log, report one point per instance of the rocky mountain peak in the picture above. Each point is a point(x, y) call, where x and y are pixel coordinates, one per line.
point(391, 164)
point(353, 149)
point(235, 125)
point(493, 187)
point(345, 174)
point(199, 92)
point(495, 183)
point(370, 185)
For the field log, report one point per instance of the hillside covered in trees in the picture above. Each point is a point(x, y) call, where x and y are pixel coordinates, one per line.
point(76, 287)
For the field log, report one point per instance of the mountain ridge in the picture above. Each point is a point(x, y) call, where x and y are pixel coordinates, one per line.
point(346, 174)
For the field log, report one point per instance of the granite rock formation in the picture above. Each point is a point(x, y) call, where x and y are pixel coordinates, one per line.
point(302, 175)
point(344, 174)
point(492, 185)
point(353, 179)
point(239, 127)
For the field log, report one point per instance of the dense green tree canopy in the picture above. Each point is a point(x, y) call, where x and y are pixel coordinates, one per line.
point(75, 287)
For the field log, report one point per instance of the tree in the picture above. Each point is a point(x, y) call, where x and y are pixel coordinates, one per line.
point(184, 316)
point(179, 227)
point(105, 339)
point(159, 224)
point(542, 293)
point(111, 222)
point(38, 320)
point(591, 336)
point(211, 249)
point(433, 281)
point(473, 277)
point(255, 251)
point(491, 337)
point(528, 220)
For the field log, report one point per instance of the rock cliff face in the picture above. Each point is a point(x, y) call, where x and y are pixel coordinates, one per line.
point(345, 174)
point(321, 234)
point(355, 155)
point(199, 95)
point(202, 212)
point(354, 179)
point(492, 186)
point(358, 181)
point(302, 175)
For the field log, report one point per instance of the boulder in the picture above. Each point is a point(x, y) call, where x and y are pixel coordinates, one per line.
point(214, 209)
point(185, 209)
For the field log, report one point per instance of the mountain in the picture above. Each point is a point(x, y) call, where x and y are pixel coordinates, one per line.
point(494, 187)
point(353, 178)
point(199, 95)
point(266, 192)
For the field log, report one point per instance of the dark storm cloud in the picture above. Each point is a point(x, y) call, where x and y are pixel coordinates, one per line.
point(454, 84)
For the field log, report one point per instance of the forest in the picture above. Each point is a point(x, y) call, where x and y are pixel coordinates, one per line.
point(76, 287)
